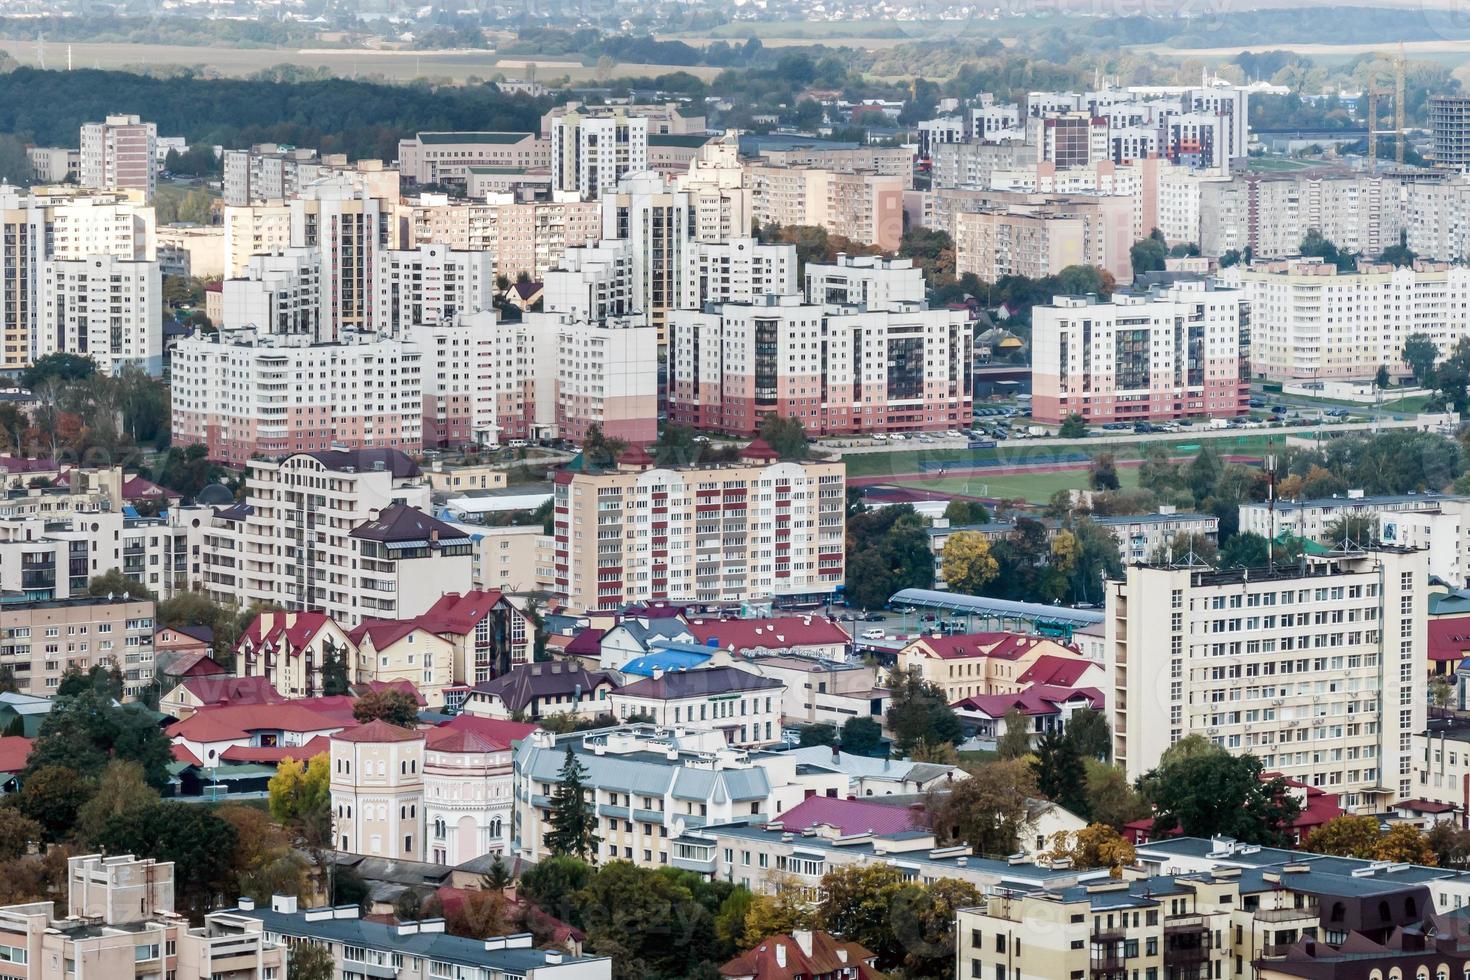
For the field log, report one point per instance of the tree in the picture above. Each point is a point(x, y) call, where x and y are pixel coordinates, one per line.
point(335, 676)
point(889, 551)
point(966, 562)
point(1404, 843)
point(392, 706)
point(779, 912)
point(1209, 792)
point(988, 811)
point(1451, 845)
point(960, 512)
point(1095, 846)
point(730, 919)
point(498, 876)
point(1381, 379)
point(309, 960)
point(1419, 354)
point(1074, 426)
point(1400, 254)
point(1148, 254)
point(18, 833)
point(1060, 775)
point(1345, 836)
point(83, 731)
point(106, 680)
point(63, 367)
point(264, 863)
point(1103, 473)
point(785, 435)
point(922, 920)
point(1090, 735)
point(52, 796)
point(918, 714)
point(114, 582)
point(598, 451)
point(821, 734)
point(573, 817)
point(1112, 798)
point(1184, 548)
point(857, 900)
point(1315, 246)
point(122, 788)
point(1359, 530)
point(1015, 740)
point(676, 446)
point(862, 736)
point(1441, 693)
point(552, 882)
point(300, 799)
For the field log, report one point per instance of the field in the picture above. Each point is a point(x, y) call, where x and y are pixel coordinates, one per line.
point(399, 66)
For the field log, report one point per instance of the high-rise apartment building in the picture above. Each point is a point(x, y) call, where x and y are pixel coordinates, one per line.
point(521, 236)
point(119, 154)
point(430, 284)
point(105, 308)
point(592, 149)
point(267, 173)
point(350, 229)
point(717, 533)
point(279, 295)
point(1449, 121)
point(1172, 353)
point(1316, 668)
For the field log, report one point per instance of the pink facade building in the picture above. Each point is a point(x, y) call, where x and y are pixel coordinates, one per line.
point(837, 369)
point(1173, 353)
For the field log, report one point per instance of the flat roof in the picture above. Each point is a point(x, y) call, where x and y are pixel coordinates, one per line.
point(985, 606)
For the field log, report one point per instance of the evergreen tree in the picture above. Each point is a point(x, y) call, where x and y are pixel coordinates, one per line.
point(334, 672)
point(1060, 775)
point(573, 819)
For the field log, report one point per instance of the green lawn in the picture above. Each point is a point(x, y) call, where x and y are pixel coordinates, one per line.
point(1033, 487)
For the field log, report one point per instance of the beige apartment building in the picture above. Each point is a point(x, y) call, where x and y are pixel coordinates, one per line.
point(118, 154)
point(528, 237)
point(1038, 240)
point(377, 789)
point(120, 922)
point(977, 664)
point(727, 532)
point(443, 158)
point(255, 229)
point(1318, 669)
point(863, 206)
point(41, 641)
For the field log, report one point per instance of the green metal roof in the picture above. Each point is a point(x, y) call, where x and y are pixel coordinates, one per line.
point(473, 137)
point(691, 140)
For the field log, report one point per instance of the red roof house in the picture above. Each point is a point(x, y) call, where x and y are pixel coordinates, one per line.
point(804, 955)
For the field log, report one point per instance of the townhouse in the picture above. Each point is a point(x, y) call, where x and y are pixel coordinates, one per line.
point(746, 708)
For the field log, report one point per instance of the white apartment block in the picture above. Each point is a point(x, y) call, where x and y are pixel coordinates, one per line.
point(740, 269)
point(373, 551)
point(606, 373)
point(868, 281)
point(715, 533)
point(650, 785)
point(267, 173)
point(1171, 353)
point(108, 309)
point(1311, 322)
point(475, 379)
point(591, 150)
point(350, 228)
point(118, 154)
point(243, 394)
point(594, 282)
point(1317, 669)
point(278, 295)
point(430, 284)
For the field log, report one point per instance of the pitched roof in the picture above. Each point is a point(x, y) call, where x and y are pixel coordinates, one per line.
point(193, 665)
point(297, 629)
point(525, 683)
point(227, 722)
point(402, 685)
point(665, 660)
point(781, 632)
point(781, 957)
point(400, 524)
point(497, 731)
point(13, 752)
point(587, 642)
point(1054, 670)
point(759, 449)
point(699, 683)
point(274, 754)
point(1004, 646)
point(1039, 699)
point(849, 816)
point(1449, 638)
point(460, 614)
point(223, 689)
point(182, 754)
point(379, 730)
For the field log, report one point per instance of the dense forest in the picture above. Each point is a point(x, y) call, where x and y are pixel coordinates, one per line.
point(361, 119)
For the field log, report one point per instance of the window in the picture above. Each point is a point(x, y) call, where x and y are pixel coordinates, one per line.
point(12, 954)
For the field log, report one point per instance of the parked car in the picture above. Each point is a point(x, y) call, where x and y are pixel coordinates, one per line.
point(872, 634)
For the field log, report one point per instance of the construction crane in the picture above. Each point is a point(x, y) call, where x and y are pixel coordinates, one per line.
point(1399, 130)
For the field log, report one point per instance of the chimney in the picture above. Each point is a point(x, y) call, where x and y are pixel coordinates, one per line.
point(245, 904)
point(284, 904)
point(803, 939)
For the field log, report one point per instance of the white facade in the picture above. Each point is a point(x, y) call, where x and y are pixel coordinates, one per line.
point(430, 284)
point(278, 295)
point(1316, 669)
point(108, 309)
point(590, 153)
point(863, 280)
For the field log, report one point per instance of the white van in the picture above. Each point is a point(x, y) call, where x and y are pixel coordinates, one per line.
point(873, 634)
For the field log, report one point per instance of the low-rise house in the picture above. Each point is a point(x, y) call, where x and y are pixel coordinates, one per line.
point(804, 955)
point(290, 648)
point(30, 709)
point(970, 664)
point(468, 788)
point(213, 729)
point(745, 707)
point(868, 777)
point(636, 636)
point(377, 785)
point(535, 690)
point(823, 692)
point(180, 646)
point(650, 785)
point(188, 697)
point(418, 950)
point(1043, 707)
point(14, 750)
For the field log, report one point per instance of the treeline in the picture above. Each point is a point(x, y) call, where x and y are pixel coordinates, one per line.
point(591, 45)
point(360, 119)
point(113, 28)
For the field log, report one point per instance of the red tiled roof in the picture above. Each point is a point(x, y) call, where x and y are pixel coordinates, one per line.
point(849, 816)
point(1004, 646)
point(379, 730)
point(1054, 670)
point(181, 753)
point(402, 685)
point(452, 615)
point(1424, 806)
point(303, 627)
point(274, 754)
point(1449, 638)
point(216, 689)
point(14, 749)
point(1039, 699)
point(759, 449)
point(770, 634)
point(587, 643)
point(226, 722)
point(764, 962)
point(498, 732)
